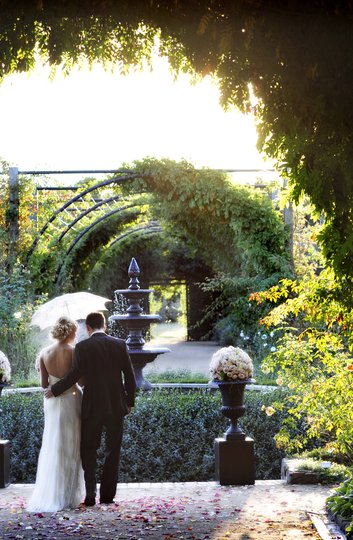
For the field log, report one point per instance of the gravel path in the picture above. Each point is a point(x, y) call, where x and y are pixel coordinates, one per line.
point(196, 510)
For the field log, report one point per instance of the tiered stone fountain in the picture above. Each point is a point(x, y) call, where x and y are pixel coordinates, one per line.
point(136, 322)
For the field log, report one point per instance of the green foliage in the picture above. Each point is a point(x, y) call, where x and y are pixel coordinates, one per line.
point(174, 428)
point(212, 213)
point(239, 315)
point(22, 424)
point(16, 307)
point(193, 213)
point(237, 318)
point(321, 454)
point(305, 228)
point(340, 504)
point(313, 358)
point(28, 380)
point(330, 473)
point(17, 298)
point(169, 302)
point(161, 258)
point(67, 34)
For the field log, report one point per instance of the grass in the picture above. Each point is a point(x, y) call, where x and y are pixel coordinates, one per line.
point(19, 380)
point(30, 383)
point(178, 376)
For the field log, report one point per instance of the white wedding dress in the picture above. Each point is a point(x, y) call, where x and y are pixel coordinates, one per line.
point(59, 482)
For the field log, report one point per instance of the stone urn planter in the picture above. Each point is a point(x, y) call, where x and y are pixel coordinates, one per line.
point(233, 406)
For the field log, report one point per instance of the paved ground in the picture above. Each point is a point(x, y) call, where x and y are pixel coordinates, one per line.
point(190, 356)
point(193, 356)
point(269, 510)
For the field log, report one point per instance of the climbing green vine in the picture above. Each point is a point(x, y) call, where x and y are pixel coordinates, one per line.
point(232, 229)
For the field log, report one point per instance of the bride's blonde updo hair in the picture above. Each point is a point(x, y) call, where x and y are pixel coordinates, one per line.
point(63, 327)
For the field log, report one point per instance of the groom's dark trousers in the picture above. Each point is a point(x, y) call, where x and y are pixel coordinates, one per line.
point(109, 389)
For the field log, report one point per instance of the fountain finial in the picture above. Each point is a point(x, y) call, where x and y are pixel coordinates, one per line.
point(133, 272)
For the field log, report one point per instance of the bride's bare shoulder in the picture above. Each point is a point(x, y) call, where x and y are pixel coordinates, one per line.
point(55, 350)
point(68, 347)
point(46, 350)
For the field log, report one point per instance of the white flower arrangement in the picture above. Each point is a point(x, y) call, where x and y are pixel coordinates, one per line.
point(231, 364)
point(5, 368)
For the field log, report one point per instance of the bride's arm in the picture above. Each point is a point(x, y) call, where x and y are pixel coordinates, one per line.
point(44, 376)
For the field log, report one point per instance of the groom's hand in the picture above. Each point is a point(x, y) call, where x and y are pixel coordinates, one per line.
point(48, 393)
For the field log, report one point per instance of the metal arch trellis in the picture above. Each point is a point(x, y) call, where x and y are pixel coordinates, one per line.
point(149, 228)
point(94, 223)
point(85, 213)
point(125, 176)
point(152, 227)
point(114, 180)
point(87, 229)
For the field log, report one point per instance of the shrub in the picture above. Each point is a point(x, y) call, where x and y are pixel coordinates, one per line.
point(168, 437)
point(325, 472)
point(340, 506)
point(16, 307)
point(313, 357)
point(22, 423)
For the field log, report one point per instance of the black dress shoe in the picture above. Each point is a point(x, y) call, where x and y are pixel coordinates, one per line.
point(89, 501)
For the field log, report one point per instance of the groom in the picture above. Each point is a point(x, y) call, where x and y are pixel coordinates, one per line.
point(108, 395)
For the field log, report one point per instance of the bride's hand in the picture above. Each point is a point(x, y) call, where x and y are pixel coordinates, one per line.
point(48, 393)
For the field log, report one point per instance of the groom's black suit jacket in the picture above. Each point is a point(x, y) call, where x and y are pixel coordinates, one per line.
point(109, 382)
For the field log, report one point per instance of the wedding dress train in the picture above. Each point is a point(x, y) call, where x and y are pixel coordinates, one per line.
point(59, 481)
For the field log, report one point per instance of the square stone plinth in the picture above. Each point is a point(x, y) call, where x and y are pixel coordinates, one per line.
point(235, 461)
point(4, 463)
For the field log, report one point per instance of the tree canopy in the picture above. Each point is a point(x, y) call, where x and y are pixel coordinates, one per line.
point(296, 56)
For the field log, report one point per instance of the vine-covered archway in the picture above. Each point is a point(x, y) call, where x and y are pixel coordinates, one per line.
point(232, 229)
point(157, 211)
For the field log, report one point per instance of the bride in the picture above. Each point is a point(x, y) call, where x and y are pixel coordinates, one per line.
point(59, 482)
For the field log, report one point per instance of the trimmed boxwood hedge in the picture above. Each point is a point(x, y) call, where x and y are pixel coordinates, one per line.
point(168, 437)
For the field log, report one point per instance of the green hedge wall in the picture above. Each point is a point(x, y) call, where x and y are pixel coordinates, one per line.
point(168, 437)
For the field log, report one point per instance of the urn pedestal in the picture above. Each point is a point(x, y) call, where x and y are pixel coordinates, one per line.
point(4, 463)
point(234, 454)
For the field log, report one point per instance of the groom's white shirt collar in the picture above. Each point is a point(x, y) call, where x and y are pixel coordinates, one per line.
point(98, 332)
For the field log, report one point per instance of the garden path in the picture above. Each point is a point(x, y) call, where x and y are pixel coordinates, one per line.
point(268, 510)
point(192, 356)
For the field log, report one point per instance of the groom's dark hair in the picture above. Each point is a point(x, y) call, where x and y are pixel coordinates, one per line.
point(95, 320)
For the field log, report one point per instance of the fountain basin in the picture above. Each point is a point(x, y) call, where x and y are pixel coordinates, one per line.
point(140, 358)
point(130, 320)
